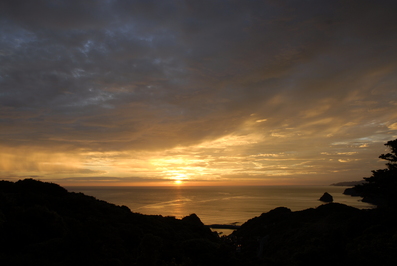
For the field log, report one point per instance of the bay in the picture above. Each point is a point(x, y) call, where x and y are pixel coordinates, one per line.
point(215, 204)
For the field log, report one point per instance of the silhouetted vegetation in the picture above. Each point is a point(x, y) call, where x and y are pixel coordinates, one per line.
point(43, 224)
point(381, 187)
point(331, 234)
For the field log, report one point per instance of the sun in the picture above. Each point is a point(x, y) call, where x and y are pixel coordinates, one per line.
point(178, 182)
point(179, 178)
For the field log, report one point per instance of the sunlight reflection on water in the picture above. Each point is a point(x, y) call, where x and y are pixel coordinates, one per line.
point(218, 205)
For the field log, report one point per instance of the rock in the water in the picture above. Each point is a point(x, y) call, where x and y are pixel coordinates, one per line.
point(327, 197)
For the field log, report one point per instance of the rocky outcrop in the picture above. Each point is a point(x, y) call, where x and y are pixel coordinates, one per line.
point(326, 197)
point(352, 192)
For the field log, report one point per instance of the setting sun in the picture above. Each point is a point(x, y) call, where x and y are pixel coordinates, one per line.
point(178, 182)
point(153, 110)
point(198, 132)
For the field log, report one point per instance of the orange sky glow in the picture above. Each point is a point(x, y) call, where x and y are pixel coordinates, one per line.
point(196, 92)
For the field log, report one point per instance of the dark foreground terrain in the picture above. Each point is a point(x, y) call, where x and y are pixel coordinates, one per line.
point(44, 224)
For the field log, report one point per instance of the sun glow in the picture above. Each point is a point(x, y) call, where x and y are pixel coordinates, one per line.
point(179, 178)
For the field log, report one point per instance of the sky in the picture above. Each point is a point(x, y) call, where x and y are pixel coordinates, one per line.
point(208, 92)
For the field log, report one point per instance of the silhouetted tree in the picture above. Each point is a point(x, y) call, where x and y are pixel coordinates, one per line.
point(381, 187)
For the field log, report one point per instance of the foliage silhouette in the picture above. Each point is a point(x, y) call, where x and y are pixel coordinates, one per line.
point(381, 187)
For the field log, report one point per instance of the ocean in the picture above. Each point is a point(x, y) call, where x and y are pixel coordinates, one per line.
point(215, 204)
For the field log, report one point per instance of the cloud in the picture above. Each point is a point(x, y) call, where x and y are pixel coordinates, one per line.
point(393, 126)
point(134, 80)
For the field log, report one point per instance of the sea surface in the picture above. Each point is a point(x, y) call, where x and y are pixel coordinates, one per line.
point(218, 205)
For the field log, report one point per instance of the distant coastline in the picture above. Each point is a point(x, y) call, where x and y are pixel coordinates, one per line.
point(348, 183)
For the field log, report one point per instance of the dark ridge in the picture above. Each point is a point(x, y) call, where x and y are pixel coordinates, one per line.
point(331, 234)
point(43, 224)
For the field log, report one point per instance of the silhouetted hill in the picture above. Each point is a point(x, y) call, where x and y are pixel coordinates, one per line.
point(43, 224)
point(331, 234)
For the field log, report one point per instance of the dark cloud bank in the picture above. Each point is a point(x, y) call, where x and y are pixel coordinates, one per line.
point(107, 76)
